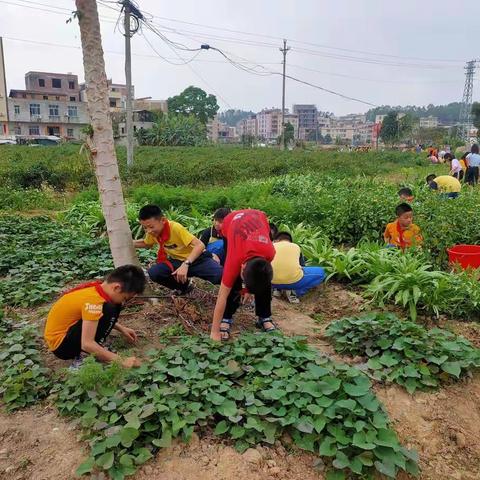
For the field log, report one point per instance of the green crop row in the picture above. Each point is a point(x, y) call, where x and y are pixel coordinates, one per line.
point(403, 352)
point(23, 380)
point(64, 167)
point(250, 391)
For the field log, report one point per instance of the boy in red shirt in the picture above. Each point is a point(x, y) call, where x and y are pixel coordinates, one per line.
point(249, 252)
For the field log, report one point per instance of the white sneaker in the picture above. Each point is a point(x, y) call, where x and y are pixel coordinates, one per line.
point(276, 293)
point(291, 296)
point(78, 361)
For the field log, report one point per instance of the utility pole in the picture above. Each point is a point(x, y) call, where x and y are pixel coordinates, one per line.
point(465, 120)
point(128, 77)
point(284, 51)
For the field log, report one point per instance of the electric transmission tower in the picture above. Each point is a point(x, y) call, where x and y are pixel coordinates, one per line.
point(465, 120)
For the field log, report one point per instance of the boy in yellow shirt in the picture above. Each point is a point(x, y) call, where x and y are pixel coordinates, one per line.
point(289, 274)
point(403, 233)
point(180, 254)
point(82, 318)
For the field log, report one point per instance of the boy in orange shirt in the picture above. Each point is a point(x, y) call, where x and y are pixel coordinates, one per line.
point(82, 318)
point(403, 233)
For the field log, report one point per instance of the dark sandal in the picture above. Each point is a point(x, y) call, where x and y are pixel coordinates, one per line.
point(261, 324)
point(226, 330)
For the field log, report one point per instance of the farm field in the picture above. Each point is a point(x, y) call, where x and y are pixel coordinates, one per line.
point(375, 372)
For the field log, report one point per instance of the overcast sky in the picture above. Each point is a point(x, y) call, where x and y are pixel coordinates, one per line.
point(415, 49)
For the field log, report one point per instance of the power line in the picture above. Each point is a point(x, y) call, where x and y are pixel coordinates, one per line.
point(306, 43)
point(267, 45)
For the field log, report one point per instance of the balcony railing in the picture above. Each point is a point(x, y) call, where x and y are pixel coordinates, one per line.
point(54, 118)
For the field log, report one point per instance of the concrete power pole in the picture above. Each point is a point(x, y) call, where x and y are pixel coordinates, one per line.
point(284, 51)
point(128, 77)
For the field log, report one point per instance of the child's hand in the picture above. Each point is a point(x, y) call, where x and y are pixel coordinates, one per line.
point(129, 334)
point(247, 298)
point(131, 362)
point(181, 273)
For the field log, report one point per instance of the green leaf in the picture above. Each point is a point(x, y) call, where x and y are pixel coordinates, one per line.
point(237, 432)
point(105, 461)
point(128, 435)
point(228, 408)
point(85, 467)
point(335, 475)
point(221, 428)
point(386, 438)
point(215, 398)
point(453, 368)
point(165, 440)
point(387, 468)
point(142, 455)
point(359, 440)
point(358, 389)
point(274, 394)
point(328, 447)
point(341, 461)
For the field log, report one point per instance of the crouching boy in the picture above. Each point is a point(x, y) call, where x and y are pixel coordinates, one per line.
point(82, 318)
point(289, 274)
point(180, 254)
point(249, 252)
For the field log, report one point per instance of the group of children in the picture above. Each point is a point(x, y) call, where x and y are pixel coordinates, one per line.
point(241, 251)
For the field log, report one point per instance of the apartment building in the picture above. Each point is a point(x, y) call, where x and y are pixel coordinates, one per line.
point(49, 105)
point(33, 114)
point(307, 119)
point(269, 123)
point(117, 96)
point(248, 126)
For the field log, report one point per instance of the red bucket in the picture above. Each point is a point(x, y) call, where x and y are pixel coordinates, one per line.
point(468, 256)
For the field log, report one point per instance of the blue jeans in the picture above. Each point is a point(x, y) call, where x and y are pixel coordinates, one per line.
point(217, 248)
point(449, 195)
point(204, 267)
point(312, 276)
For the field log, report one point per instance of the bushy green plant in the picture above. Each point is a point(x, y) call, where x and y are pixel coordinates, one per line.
point(39, 256)
point(403, 352)
point(250, 391)
point(23, 380)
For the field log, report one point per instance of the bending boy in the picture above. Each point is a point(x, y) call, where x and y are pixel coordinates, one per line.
point(180, 254)
point(82, 318)
point(249, 253)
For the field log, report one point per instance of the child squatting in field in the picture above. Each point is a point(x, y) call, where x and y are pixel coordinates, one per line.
point(289, 272)
point(180, 254)
point(403, 233)
point(82, 318)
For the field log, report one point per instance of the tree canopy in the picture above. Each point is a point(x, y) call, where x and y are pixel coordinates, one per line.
point(194, 101)
point(232, 117)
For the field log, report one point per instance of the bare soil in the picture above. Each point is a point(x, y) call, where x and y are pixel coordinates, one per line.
point(444, 426)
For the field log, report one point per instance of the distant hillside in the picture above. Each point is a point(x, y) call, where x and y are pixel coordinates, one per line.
point(446, 114)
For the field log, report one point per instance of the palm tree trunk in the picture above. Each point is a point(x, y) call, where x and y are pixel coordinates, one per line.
point(103, 151)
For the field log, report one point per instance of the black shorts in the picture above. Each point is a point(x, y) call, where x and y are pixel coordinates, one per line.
point(71, 345)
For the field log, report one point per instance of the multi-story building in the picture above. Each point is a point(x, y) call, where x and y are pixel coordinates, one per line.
point(33, 114)
point(141, 119)
point(307, 119)
point(428, 122)
point(353, 118)
point(248, 126)
point(151, 105)
point(269, 123)
point(219, 132)
point(53, 84)
point(117, 95)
